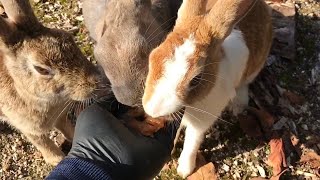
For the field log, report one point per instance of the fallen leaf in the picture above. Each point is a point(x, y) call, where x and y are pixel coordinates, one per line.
point(205, 172)
point(256, 123)
point(294, 99)
point(277, 158)
point(250, 125)
point(311, 158)
point(277, 177)
point(258, 178)
point(265, 118)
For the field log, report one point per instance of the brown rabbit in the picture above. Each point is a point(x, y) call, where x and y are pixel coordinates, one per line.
point(207, 61)
point(42, 71)
point(125, 32)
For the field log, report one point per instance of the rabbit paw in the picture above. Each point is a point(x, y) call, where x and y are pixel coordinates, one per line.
point(186, 165)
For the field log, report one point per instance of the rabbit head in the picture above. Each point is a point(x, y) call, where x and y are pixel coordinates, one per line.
point(45, 64)
point(179, 67)
point(125, 34)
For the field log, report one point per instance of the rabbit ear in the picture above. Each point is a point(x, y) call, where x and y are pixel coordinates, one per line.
point(189, 9)
point(6, 27)
point(21, 13)
point(225, 14)
point(8, 31)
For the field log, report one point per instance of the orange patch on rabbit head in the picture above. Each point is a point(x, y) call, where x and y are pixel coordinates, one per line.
point(176, 67)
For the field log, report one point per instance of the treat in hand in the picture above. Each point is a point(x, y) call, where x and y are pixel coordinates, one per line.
point(143, 123)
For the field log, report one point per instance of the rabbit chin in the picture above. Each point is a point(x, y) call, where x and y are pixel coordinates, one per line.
point(162, 107)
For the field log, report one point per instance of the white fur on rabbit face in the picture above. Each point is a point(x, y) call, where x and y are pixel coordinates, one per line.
point(174, 75)
point(166, 99)
point(50, 67)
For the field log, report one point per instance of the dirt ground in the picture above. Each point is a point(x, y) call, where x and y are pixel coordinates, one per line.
point(288, 89)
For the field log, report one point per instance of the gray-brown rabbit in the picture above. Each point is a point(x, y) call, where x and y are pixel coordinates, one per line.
point(41, 72)
point(125, 32)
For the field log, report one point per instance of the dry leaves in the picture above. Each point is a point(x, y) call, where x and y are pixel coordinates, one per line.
point(311, 158)
point(277, 157)
point(256, 123)
point(259, 123)
point(272, 178)
point(294, 99)
point(206, 172)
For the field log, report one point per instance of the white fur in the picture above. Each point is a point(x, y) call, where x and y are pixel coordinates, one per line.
point(202, 114)
point(164, 100)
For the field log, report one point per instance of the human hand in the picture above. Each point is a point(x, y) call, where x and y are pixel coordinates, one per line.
point(101, 137)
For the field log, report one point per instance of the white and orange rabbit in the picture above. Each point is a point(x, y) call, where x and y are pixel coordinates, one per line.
point(207, 61)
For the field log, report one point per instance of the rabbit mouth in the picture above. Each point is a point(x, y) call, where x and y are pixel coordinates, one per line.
point(84, 97)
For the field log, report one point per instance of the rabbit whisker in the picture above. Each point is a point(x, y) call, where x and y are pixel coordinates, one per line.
point(209, 64)
point(63, 110)
point(159, 27)
point(158, 34)
point(205, 112)
point(149, 26)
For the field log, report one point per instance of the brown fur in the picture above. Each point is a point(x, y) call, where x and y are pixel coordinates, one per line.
point(32, 102)
point(125, 32)
point(210, 29)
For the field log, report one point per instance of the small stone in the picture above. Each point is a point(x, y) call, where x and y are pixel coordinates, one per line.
point(262, 172)
point(237, 175)
point(6, 165)
point(79, 18)
point(235, 163)
point(305, 127)
point(311, 14)
point(254, 174)
point(226, 168)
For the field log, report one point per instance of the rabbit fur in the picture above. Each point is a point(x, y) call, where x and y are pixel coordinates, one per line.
point(207, 61)
point(42, 72)
point(125, 31)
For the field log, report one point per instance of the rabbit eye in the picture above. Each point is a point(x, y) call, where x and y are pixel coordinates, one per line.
point(195, 81)
point(41, 70)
